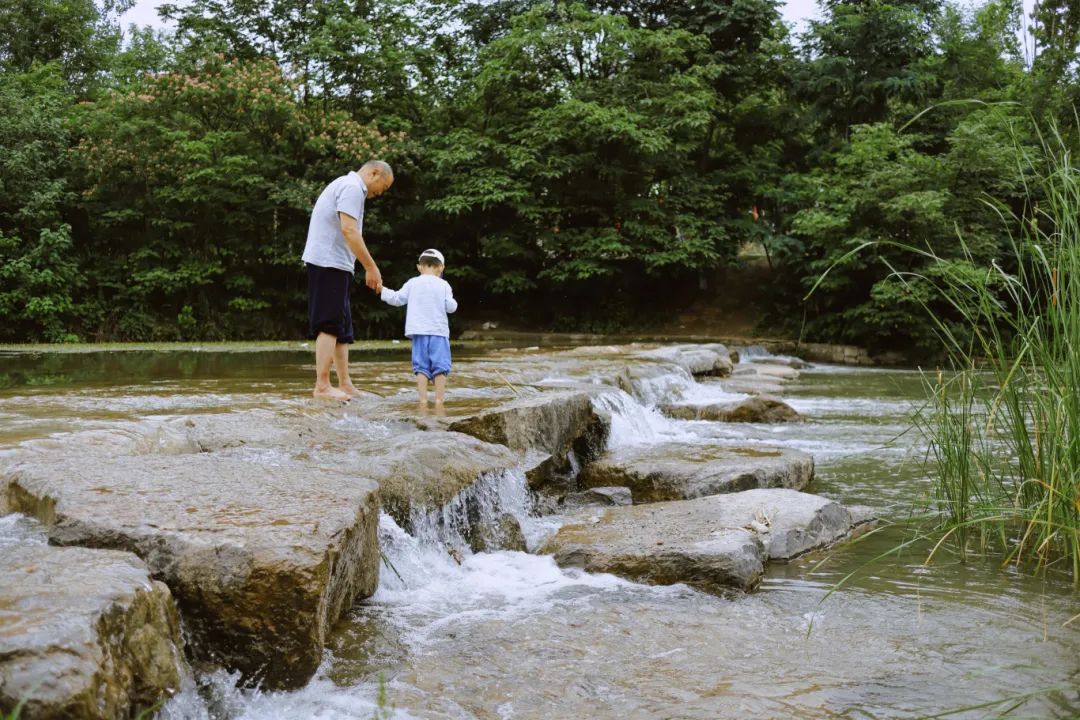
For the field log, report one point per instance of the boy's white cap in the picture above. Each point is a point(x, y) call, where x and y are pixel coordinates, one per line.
point(433, 253)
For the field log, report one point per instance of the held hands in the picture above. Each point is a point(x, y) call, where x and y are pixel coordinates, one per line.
point(373, 278)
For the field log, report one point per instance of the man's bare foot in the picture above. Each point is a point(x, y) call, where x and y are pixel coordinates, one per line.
point(440, 409)
point(330, 393)
point(421, 408)
point(350, 390)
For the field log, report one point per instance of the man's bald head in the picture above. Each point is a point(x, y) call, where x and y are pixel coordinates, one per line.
point(378, 176)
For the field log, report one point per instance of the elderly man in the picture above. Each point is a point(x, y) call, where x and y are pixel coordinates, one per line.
point(335, 241)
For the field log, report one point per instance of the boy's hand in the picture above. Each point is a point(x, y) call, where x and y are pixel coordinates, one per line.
point(373, 279)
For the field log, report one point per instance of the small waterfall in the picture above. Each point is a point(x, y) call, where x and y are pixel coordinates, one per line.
point(631, 422)
point(656, 384)
point(481, 511)
point(750, 352)
point(17, 529)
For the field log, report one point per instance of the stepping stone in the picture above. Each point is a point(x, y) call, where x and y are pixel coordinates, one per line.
point(680, 471)
point(756, 409)
point(708, 359)
point(261, 559)
point(711, 543)
point(549, 426)
point(419, 473)
point(85, 634)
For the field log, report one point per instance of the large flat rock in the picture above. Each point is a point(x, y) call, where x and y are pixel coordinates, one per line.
point(790, 523)
point(754, 409)
point(550, 425)
point(416, 471)
point(712, 543)
point(262, 559)
point(679, 471)
point(423, 471)
point(704, 359)
point(85, 634)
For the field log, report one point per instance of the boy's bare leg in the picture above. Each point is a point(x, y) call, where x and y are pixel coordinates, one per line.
point(341, 367)
point(325, 346)
point(421, 389)
point(440, 390)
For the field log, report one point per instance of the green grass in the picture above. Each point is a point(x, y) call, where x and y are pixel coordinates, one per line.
point(1004, 429)
point(1002, 420)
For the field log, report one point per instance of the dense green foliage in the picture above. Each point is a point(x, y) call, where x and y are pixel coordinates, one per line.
point(585, 165)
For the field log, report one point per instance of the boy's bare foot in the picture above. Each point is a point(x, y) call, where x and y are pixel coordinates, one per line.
point(422, 408)
point(330, 393)
point(440, 409)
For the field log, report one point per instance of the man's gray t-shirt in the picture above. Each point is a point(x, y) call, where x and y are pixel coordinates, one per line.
point(325, 244)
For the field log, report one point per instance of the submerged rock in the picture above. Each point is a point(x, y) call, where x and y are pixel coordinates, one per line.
point(503, 534)
point(261, 559)
point(755, 409)
point(756, 378)
point(551, 424)
point(784, 360)
point(782, 373)
point(678, 471)
point(85, 634)
point(598, 496)
point(712, 543)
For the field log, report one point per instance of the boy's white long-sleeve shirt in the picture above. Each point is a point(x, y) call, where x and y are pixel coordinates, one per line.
point(429, 298)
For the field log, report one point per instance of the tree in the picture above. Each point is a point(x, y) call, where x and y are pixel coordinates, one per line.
point(864, 55)
point(38, 273)
point(199, 183)
point(1056, 29)
point(80, 35)
point(570, 160)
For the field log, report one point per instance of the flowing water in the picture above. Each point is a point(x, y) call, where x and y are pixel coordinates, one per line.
point(510, 635)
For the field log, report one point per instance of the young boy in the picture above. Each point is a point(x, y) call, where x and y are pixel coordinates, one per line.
point(429, 298)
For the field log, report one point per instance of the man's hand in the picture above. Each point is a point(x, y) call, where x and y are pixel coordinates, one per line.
point(373, 278)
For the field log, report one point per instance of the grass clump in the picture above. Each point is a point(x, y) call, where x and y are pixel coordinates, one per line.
point(1002, 421)
point(1003, 425)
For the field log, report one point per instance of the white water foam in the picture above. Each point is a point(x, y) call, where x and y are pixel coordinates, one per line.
point(365, 428)
point(668, 384)
point(17, 529)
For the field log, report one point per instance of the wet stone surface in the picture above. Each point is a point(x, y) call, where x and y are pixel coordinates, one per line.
point(712, 543)
point(85, 634)
point(756, 409)
point(262, 560)
point(555, 424)
point(679, 471)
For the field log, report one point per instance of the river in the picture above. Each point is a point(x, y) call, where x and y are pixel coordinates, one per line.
point(511, 635)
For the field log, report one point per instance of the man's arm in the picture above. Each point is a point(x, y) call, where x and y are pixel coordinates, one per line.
point(355, 241)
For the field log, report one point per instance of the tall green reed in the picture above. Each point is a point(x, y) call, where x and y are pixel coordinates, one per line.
point(1002, 421)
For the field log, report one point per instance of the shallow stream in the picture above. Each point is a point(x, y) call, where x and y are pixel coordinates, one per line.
point(510, 635)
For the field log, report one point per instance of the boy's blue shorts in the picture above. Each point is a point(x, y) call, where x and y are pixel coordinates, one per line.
point(431, 355)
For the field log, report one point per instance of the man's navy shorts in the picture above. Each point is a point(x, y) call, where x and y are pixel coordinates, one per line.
point(430, 355)
point(328, 303)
